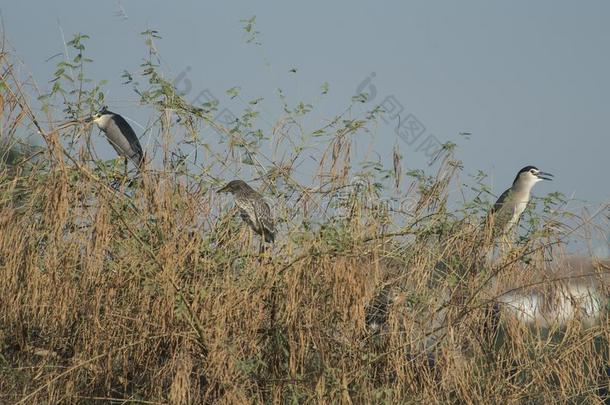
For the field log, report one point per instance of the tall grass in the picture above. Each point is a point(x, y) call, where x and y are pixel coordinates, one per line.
point(155, 293)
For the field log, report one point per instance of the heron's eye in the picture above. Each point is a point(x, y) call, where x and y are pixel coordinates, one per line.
point(533, 171)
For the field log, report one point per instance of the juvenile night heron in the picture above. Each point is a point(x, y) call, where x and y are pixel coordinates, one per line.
point(252, 208)
point(507, 211)
point(120, 135)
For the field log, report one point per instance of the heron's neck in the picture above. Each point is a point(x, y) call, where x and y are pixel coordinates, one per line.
point(523, 187)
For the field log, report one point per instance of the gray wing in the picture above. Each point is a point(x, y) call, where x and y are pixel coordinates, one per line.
point(124, 140)
point(500, 202)
point(501, 211)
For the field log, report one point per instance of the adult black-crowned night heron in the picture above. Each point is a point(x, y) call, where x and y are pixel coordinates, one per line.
point(252, 208)
point(507, 211)
point(120, 135)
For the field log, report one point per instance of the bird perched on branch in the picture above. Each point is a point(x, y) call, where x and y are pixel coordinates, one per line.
point(252, 208)
point(120, 135)
point(507, 211)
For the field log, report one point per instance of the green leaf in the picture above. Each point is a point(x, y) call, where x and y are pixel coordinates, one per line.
point(233, 92)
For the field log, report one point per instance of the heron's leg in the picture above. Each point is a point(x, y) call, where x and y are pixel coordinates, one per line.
point(125, 167)
point(262, 252)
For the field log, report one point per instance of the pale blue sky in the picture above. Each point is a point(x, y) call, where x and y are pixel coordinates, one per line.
point(529, 80)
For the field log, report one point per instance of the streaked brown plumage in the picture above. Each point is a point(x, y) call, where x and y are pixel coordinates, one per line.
point(253, 208)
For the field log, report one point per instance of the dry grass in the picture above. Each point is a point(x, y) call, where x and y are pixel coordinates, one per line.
point(153, 294)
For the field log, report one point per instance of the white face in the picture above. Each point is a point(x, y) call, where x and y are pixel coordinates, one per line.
point(531, 176)
point(102, 120)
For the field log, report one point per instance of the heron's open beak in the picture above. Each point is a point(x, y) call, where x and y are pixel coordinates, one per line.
point(545, 176)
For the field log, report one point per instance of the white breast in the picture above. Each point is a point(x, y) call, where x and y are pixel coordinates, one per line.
point(519, 205)
point(519, 208)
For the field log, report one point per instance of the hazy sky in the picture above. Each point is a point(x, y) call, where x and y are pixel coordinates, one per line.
point(528, 79)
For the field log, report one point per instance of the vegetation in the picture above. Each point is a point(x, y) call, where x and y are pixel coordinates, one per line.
point(154, 291)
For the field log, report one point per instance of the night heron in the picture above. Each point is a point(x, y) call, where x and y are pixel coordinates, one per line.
point(252, 208)
point(120, 135)
point(507, 211)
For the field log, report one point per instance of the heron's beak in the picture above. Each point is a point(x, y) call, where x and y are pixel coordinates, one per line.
point(545, 176)
point(224, 189)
